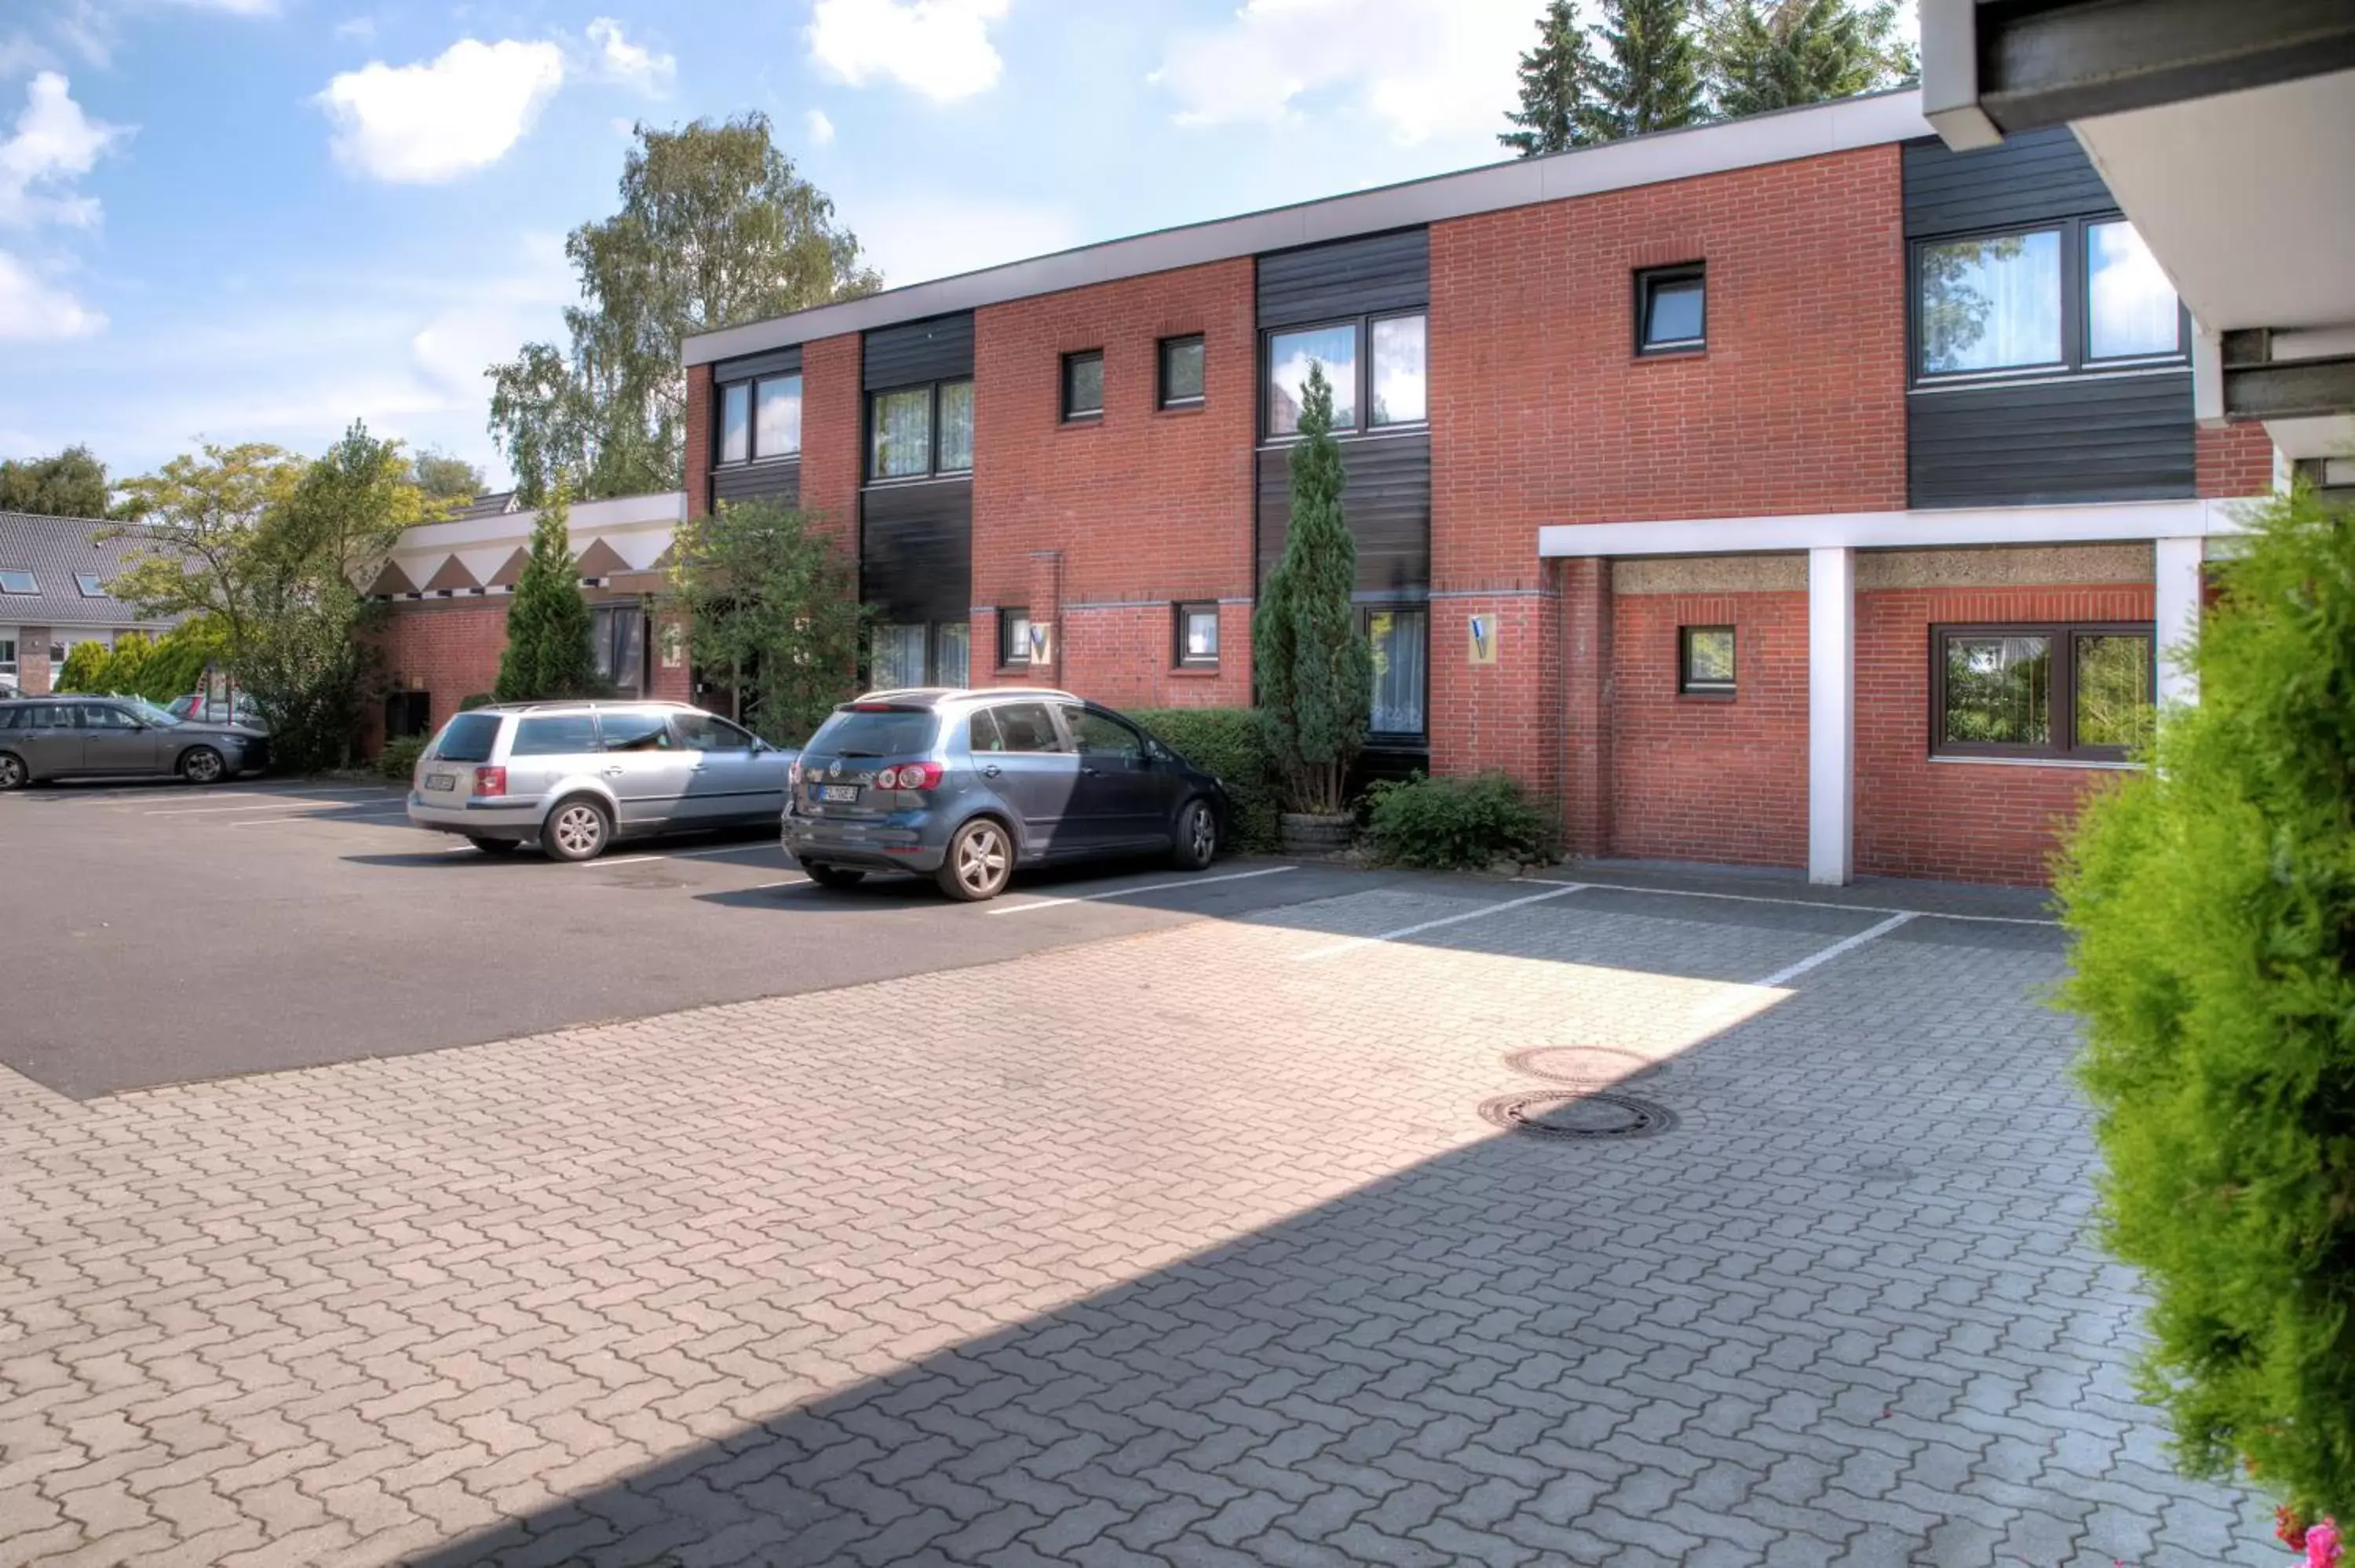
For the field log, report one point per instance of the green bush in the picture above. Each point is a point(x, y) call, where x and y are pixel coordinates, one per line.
point(467, 705)
point(2211, 903)
point(1232, 744)
point(1452, 824)
point(398, 761)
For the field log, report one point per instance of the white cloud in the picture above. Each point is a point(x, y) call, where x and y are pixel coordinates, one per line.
point(1421, 69)
point(433, 122)
point(234, 7)
point(19, 54)
point(940, 48)
point(55, 144)
point(632, 64)
point(360, 27)
point(937, 235)
point(821, 129)
point(33, 311)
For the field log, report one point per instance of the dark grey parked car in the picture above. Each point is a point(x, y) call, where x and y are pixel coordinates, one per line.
point(965, 785)
point(92, 737)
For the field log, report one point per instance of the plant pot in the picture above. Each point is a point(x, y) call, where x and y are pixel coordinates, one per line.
point(1316, 833)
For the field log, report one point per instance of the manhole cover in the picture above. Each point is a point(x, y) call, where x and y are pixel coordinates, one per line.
point(1569, 1112)
point(1596, 1064)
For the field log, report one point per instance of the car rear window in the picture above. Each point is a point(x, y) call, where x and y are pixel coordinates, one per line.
point(554, 735)
point(893, 733)
point(468, 738)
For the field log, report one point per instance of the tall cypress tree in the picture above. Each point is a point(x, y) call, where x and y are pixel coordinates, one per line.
point(1780, 54)
point(1556, 110)
point(1649, 78)
point(548, 652)
point(1315, 669)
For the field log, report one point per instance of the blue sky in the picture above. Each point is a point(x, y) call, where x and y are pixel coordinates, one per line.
point(258, 219)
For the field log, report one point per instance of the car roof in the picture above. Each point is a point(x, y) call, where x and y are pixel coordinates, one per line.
point(946, 697)
point(583, 704)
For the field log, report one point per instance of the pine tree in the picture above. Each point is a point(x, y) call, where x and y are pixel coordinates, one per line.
point(1315, 669)
point(1649, 79)
point(1556, 110)
point(1779, 54)
point(548, 652)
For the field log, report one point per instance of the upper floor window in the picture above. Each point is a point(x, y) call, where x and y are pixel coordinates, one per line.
point(1670, 310)
point(1377, 366)
point(761, 418)
point(2084, 294)
point(1182, 372)
point(1084, 385)
point(18, 582)
point(917, 431)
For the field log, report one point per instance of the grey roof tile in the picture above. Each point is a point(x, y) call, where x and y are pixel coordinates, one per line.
point(55, 550)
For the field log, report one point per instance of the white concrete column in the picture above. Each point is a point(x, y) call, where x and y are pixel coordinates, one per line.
point(2178, 625)
point(1831, 716)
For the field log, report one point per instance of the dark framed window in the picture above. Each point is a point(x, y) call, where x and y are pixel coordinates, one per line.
point(1198, 633)
point(2069, 693)
point(1084, 385)
point(2083, 294)
point(1400, 636)
point(761, 418)
point(916, 432)
point(617, 642)
point(1378, 366)
point(1181, 360)
point(1672, 310)
point(1705, 661)
point(1013, 637)
point(18, 582)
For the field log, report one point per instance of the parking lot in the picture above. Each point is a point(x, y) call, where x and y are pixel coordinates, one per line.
point(1303, 1217)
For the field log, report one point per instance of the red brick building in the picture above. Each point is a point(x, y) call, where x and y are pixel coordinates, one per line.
point(1793, 492)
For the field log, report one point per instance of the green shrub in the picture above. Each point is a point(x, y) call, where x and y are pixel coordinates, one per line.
point(467, 705)
point(1451, 824)
point(398, 761)
point(2211, 903)
point(1232, 744)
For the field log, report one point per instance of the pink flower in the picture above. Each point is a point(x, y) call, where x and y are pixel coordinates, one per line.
point(2322, 1544)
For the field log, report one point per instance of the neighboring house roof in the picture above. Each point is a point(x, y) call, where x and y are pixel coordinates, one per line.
point(490, 503)
point(58, 552)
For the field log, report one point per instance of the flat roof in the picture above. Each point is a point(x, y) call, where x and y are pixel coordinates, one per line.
point(1818, 129)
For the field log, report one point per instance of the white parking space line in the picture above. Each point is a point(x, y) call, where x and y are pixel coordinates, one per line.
point(1796, 902)
point(400, 816)
point(682, 854)
point(1847, 944)
point(278, 805)
point(1422, 925)
point(1133, 892)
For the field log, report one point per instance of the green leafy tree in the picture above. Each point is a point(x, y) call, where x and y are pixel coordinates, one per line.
point(84, 670)
point(71, 484)
point(716, 227)
point(1780, 54)
point(766, 594)
point(200, 518)
point(1650, 75)
point(1316, 670)
point(1556, 110)
point(444, 478)
point(548, 652)
point(2211, 900)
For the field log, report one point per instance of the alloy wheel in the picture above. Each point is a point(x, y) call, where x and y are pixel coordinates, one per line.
point(1205, 834)
point(981, 860)
point(202, 766)
point(579, 832)
point(11, 772)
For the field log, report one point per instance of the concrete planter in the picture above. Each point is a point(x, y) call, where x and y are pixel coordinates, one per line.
point(1312, 833)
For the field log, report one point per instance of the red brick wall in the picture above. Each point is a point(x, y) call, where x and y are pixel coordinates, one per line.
point(2235, 460)
point(832, 407)
point(1957, 821)
point(1138, 510)
point(697, 466)
point(448, 648)
point(1584, 740)
point(1704, 778)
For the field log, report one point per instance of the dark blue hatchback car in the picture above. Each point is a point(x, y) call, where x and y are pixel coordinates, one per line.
point(963, 786)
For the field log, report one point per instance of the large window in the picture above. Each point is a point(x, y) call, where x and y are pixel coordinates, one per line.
point(1400, 640)
point(916, 654)
point(761, 418)
point(617, 638)
point(899, 661)
point(2081, 692)
point(2080, 295)
point(915, 432)
point(1379, 367)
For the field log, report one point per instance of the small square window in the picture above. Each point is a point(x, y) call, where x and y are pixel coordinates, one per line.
point(1083, 385)
point(1014, 637)
point(1198, 633)
point(1182, 372)
point(90, 586)
point(1705, 661)
point(1671, 309)
point(18, 582)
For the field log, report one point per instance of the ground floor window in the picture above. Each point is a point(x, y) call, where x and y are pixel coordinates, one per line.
point(1402, 641)
point(7, 655)
point(617, 637)
point(916, 653)
point(407, 713)
point(2064, 692)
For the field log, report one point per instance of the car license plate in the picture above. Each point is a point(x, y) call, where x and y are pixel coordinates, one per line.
point(837, 791)
point(440, 781)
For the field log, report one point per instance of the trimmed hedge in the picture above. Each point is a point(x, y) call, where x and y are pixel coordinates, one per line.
point(1232, 744)
point(1455, 824)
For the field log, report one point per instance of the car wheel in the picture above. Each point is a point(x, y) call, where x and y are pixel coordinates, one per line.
point(980, 862)
point(576, 830)
point(835, 876)
point(203, 765)
point(1197, 843)
point(12, 771)
point(495, 846)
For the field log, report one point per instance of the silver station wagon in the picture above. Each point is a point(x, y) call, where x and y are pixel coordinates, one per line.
point(573, 777)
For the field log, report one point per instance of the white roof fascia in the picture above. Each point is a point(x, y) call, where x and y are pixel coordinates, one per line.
point(2092, 524)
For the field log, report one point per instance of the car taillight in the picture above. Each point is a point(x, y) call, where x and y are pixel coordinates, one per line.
point(909, 776)
point(490, 780)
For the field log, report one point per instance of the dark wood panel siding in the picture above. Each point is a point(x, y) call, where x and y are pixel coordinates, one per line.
point(778, 362)
point(1387, 503)
point(938, 349)
point(748, 482)
point(2122, 437)
point(1348, 278)
point(2029, 178)
point(916, 550)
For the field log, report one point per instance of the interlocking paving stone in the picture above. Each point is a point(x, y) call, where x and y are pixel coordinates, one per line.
point(1180, 1248)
